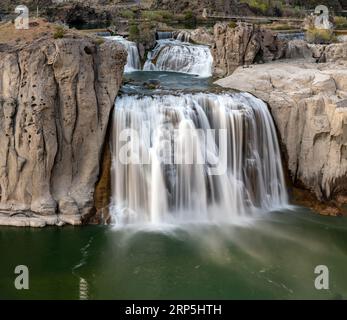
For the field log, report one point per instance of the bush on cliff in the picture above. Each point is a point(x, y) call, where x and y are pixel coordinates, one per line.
point(190, 20)
point(320, 36)
point(127, 14)
point(134, 32)
point(59, 32)
point(157, 15)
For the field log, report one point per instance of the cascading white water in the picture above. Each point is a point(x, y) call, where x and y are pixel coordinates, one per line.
point(183, 36)
point(174, 55)
point(133, 62)
point(160, 133)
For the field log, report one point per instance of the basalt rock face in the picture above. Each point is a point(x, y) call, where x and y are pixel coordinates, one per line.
point(244, 45)
point(309, 105)
point(55, 101)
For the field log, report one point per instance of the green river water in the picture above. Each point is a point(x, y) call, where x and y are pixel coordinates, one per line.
point(270, 257)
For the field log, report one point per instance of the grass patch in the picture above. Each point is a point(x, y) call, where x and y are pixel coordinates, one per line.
point(134, 32)
point(319, 36)
point(156, 15)
point(281, 27)
point(99, 41)
point(59, 32)
point(258, 5)
point(340, 22)
point(127, 14)
point(232, 25)
point(190, 20)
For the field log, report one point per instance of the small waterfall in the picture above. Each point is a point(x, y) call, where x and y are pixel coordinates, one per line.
point(134, 62)
point(162, 35)
point(200, 157)
point(183, 36)
point(176, 56)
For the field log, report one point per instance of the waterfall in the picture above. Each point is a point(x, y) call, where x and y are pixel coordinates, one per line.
point(133, 62)
point(199, 157)
point(174, 55)
point(183, 36)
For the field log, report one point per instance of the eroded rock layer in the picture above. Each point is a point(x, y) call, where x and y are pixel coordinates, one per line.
point(55, 101)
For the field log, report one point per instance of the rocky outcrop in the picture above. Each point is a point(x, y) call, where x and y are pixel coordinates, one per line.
point(300, 49)
point(55, 101)
point(198, 36)
point(244, 45)
point(309, 105)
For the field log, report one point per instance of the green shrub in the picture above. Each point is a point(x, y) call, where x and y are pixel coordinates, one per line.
point(99, 41)
point(59, 32)
point(190, 20)
point(232, 24)
point(320, 36)
point(157, 15)
point(143, 33)
point(127, 14)
point(151, 15)
point(258, 5)
point(134, 32)
point(280, 27)
point(167, 15)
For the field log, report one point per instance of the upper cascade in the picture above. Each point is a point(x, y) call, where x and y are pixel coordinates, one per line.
point(177, 56)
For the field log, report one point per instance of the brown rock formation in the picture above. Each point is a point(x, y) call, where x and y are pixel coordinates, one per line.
point(244, 45)
point(55, 101)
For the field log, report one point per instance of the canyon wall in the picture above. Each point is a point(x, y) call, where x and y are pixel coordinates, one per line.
point(55, 100)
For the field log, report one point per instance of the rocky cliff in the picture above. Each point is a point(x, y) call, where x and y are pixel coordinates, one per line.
point(55, 99)
point(309, 105)
point(244, 44)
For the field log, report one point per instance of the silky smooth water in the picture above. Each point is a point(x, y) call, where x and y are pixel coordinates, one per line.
point(200, 157)
point(272, 257)
point(178, 56)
